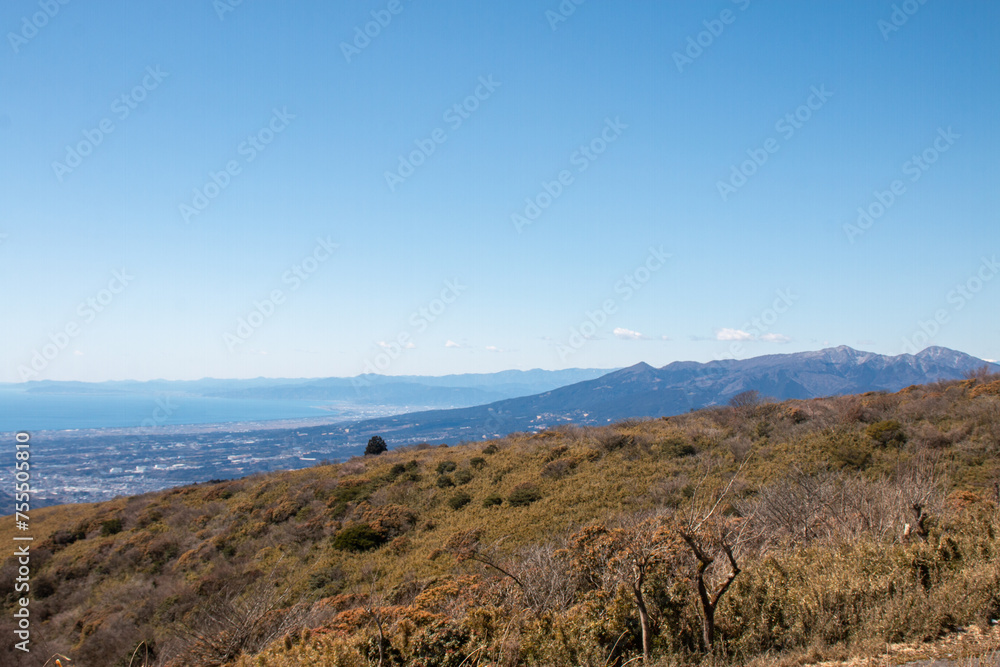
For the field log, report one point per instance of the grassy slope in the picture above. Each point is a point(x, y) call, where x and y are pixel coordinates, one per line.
point(98, 595)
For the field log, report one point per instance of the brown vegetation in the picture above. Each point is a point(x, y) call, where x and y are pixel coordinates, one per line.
point(739, 534)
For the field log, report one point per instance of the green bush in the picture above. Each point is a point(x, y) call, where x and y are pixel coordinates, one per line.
point(491, 449)
point(524, 494)
point(463, 477)
point(446, 466)
point(560, 467)
point(492, 500)
point(677, 446)
point(396, 470)
point(111, 527)
point(459, 500)
point(888, 433)
point(478, 463)
point(848, 450)
point(376, 445)
point(444, 482)
point(359, 537)
point(64, 538)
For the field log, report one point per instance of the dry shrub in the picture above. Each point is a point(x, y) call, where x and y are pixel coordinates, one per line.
point(866, 592)
point(560, 467)
point(880, 405)
point(612, 438)
point(928, 436)
point(988, 389)
point(850, 410)
point(237, 621)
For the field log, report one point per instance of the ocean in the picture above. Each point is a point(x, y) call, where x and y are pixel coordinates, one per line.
point(21, 411)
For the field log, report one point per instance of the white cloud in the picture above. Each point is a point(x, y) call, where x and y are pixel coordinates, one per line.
point(628, 334)
point(78, 353)
point(775, 338)
point(451, 343)
point(732, 334)
point(493, 348)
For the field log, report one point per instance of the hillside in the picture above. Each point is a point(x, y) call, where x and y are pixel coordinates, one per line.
point(854, 521)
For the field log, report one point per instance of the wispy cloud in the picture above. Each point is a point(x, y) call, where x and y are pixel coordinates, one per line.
point(628, 334)
point(732, 334)
point(493, 348)
point(451, 343)
point(739, 334)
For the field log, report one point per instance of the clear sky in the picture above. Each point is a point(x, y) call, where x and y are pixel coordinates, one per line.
point(619, 182)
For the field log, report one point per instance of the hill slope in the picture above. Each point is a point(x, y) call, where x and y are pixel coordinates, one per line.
point(295, 567)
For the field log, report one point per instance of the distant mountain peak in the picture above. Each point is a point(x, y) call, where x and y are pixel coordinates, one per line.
point(641, 366)
point(641, 369)
point(938, 352)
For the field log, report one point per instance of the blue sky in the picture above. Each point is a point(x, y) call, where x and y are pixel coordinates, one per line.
point(649, 249)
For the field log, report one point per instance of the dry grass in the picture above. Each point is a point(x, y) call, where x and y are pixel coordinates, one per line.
point(833, 525)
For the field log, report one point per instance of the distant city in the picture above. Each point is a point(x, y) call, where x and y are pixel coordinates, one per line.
point(87, 465)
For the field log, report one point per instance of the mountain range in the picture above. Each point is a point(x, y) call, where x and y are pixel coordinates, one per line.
point(388, 390)
point(644, 391)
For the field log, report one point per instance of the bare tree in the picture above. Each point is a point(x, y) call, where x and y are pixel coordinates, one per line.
point(747, 401)
point(537, 571)
point(712, 581)
point(711, 536)
point(626, 555)
point(374, 604)
point(238, 621)
point(831, 506)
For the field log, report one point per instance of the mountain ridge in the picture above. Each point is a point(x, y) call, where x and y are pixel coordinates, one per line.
point(642, 390)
